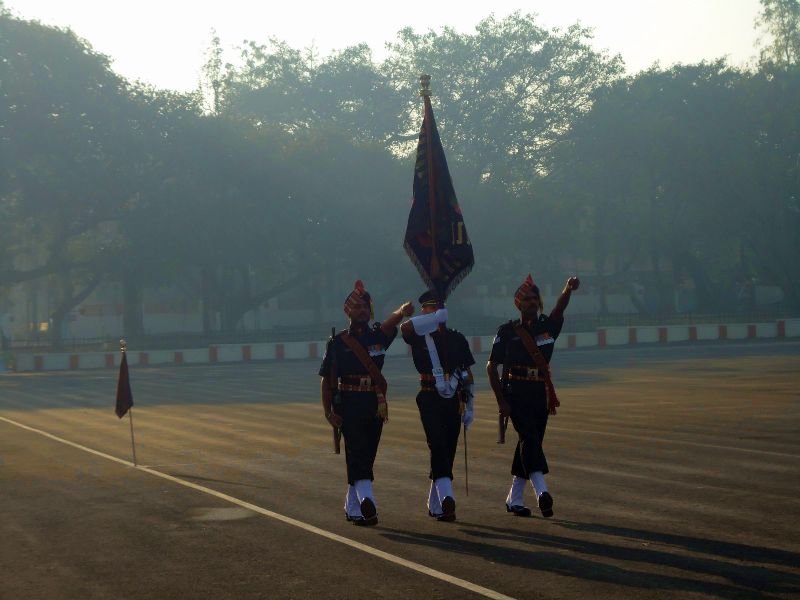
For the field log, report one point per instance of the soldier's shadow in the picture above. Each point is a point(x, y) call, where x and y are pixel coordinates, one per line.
point(732, 550)
point(575, 557)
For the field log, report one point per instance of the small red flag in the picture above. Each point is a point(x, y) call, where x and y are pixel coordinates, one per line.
point(124, 394)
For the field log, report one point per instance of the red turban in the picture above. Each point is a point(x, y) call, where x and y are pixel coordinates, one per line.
point(526, 291)
point(357, 298)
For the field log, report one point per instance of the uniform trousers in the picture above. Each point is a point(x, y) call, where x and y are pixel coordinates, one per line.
point(442, 424)
point(361, 430)
point(528, 401)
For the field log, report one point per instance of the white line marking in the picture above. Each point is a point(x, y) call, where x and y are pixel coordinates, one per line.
point(472, 587)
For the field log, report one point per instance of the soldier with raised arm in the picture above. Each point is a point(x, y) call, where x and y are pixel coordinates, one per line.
point(525, 393)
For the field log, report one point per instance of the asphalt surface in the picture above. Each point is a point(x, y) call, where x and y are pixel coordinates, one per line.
point(674, 471)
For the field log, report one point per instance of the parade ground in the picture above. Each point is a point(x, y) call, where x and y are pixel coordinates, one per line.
point(675, 473)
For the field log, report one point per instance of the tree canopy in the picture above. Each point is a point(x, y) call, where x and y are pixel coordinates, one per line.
point(290, 173)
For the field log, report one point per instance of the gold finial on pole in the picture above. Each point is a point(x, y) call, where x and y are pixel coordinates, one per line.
point(123, 345)
point(425, 86)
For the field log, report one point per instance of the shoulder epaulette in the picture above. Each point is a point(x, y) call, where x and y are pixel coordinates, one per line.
point(504, 326)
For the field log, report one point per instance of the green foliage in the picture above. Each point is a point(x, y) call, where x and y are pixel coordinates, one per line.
point(780, 19)
point(60, 128)
point(293, 174)
point(681, 167)
point(286, 89)
point(505, 95)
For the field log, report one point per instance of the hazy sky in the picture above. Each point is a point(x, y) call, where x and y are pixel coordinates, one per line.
point(163, 42)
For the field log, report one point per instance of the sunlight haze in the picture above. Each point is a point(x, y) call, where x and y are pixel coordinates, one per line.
point(163, 43)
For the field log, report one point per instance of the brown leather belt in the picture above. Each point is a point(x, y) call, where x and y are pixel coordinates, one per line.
point(356, 379)
point(524, 373)
point(513, 377)
point(346, 387)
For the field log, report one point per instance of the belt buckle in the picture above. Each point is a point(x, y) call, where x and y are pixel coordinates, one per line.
point(364, 381)
point(533, 372)
point(437, 372)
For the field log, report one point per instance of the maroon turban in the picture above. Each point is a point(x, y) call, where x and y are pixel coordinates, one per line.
point(526, 292)
point(358, 297)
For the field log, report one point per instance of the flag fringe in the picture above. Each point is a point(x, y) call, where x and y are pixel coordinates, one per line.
point(418, 264)
point(423, 273)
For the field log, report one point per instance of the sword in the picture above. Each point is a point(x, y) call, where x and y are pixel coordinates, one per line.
point(337, 440)
point(466, 464)
point(502, 425)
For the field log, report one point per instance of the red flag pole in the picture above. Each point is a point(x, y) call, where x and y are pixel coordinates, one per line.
point(123, 348)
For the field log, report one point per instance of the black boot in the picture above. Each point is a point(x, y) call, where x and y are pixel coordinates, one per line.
point(448, 509)
point(546, 504)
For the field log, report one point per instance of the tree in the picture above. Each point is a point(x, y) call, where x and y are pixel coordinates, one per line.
point(771, 218)
point(781, 21)
point(290, 90)
point(62, 139)
point(506, 95)
point(656, 172)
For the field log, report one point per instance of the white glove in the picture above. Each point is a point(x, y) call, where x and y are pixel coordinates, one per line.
point(467, 418)
point(469, 410)
point(425, 324)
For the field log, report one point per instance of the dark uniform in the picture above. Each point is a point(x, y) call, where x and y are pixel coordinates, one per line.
point(357, 400)
point(441, 417)
point(524, 389)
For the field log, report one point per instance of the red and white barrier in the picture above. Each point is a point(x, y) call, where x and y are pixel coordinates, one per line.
point(237, 353)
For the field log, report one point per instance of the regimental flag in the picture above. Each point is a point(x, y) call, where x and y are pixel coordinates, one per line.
point(124, 394)
point(436, 238)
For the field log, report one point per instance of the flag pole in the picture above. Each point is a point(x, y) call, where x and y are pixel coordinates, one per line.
point(425, 92)
point(133, 441)
point(123, 347)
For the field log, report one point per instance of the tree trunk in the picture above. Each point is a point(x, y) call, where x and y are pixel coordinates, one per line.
point(664, 301)
point(254, 301)
point(64, 305)
point(132, 314)
point(206, 292)
point(602, 284)
point(696, 270)
point(68, 300)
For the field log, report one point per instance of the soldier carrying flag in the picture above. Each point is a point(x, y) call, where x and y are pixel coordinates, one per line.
point(436, 240)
